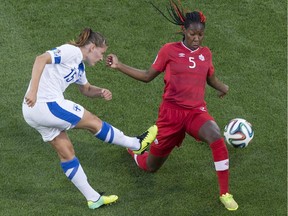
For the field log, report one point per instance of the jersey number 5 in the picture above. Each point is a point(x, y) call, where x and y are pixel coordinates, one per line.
point(193, 65)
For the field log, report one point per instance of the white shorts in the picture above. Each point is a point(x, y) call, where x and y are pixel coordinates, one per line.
point(50, 118)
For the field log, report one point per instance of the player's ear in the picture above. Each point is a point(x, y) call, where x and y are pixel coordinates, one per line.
point(184, 30)
point(92, 47)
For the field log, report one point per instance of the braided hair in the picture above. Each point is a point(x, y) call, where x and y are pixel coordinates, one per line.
point(88, 36)
point(177, 15)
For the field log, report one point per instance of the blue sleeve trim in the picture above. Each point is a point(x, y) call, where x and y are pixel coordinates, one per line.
point(57, 59)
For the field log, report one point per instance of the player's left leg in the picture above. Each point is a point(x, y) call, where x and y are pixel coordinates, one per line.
point(209, 132)
point(169, 136)
point(107, 133)
point(74, 172)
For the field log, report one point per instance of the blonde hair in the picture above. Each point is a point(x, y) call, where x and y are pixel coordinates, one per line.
point(88, 36)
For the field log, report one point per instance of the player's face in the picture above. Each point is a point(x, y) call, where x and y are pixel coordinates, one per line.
point(194, 35)
point(96, 54)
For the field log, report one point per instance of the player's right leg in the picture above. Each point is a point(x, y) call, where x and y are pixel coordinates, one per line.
point(159, 151)
point(170, 134)
point(75, 173)
point(147, 161)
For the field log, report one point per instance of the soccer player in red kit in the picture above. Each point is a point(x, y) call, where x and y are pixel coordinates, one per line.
point(188, 67)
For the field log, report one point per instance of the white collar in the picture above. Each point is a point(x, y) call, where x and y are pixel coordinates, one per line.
point(189, 48)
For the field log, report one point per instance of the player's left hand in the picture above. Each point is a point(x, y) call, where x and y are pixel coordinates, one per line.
point(221, 94)
point(106, 94)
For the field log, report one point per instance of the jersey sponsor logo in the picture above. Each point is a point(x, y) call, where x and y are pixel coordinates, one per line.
point(201, 57)
point(181, 55)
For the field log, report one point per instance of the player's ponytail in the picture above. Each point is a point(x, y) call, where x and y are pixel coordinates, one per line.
point(178, 16)
point(88, 36)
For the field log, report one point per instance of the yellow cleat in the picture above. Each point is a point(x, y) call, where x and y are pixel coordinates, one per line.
point(229, 202)
point(103, 200)
point(146, 139)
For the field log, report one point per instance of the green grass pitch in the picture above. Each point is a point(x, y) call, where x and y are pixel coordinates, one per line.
point(248, 40)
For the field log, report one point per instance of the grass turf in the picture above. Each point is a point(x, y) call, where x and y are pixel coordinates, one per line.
point(248, 40)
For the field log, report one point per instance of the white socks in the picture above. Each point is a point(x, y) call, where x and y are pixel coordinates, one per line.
point(73, 170)
point(110, 134)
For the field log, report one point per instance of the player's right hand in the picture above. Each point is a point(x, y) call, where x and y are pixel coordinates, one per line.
point(106, 94)
point(30, 98)
point(112, 61)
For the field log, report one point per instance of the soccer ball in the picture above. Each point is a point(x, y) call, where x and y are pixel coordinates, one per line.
point(238, 133)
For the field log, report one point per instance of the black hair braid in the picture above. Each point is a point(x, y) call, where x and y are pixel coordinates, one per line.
point(176, 15)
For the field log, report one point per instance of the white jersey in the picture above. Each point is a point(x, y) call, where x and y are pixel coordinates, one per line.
point(66, 68)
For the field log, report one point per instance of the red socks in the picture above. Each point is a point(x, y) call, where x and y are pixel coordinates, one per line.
point(140, 159)
point(221, 161)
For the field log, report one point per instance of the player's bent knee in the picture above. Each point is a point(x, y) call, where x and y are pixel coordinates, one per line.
point(90, 122)
point(152, 169)
point(214, 137)
point(155, 163)
point(210, 132)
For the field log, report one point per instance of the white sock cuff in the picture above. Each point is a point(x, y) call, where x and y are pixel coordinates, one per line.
point(222, 165)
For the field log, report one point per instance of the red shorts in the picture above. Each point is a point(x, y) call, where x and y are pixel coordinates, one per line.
point(173, 123)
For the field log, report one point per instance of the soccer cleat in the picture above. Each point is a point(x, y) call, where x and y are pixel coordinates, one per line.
point(146, 139)
point(103, 200)
point(229, 202)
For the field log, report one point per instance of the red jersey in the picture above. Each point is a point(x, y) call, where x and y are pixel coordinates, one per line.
point(185, 73)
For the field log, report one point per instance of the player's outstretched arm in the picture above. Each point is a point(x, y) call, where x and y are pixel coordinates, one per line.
point(141, 75)
point(94, 91)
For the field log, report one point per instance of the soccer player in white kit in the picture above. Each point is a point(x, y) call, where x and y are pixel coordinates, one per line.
point(45, 108)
